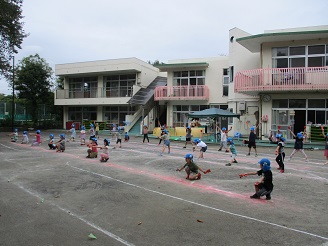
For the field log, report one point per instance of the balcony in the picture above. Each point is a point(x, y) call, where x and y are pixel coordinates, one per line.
point(93, 93)
point(278, 80)
point(191, 92)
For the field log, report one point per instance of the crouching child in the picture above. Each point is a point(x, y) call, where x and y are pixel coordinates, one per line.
point(265, 186)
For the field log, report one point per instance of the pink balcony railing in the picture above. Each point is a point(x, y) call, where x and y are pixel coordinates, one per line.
point(281, 79)
point(191, 92)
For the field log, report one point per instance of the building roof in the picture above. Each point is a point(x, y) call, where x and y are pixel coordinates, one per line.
point(253, 43)
point(174, 66)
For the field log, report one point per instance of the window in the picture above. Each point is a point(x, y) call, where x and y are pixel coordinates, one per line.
point(316, 103)
point(116, 114)
point(181, 112)
point(119, 85)
point(300, 56)
point(192, 77)
point(225, 82)
point(83, 87)
point(79, 114)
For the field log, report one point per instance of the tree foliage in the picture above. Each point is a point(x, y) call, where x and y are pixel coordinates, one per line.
point(11, 33)
point(34, 82)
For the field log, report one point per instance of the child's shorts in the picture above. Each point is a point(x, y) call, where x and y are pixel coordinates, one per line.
point(167, 143)
point(93, 155)
point(118, 141)
point(204, 149)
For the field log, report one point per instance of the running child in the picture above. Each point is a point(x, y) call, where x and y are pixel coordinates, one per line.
point(191, 168)
point(265, 186)
point(280, 152)
point(60, 144)
point(92, 149)
point(73, 133)
point(37, 140)
point(224, 135)
point(104, 156)
point(162, 132)
point(233, 150)
point(14, 136)
point(25, 138)
point(83, 135)
point(166, 142)
point(188, 136)
point(51, 142)
point(201, 145)
point(326, 145)
point(145, 133)
point(298, 146)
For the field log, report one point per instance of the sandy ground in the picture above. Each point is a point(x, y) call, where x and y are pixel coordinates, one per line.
point(137, 197)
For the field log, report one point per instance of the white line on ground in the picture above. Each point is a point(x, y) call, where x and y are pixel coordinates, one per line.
point(199, 204)
point(117, 238)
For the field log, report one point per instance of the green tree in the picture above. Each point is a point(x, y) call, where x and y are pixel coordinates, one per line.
point(11, 33)
point(33, 83)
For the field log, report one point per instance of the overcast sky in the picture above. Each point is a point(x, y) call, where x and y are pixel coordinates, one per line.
point(65, 31)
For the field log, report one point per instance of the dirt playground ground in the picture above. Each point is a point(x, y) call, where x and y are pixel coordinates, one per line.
point(138, 197)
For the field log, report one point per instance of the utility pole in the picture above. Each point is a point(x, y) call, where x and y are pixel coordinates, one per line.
point(13, 101)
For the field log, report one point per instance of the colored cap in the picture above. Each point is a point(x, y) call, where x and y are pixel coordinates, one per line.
point(189, 156)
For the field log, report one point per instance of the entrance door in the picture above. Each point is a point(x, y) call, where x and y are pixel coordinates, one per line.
point(300, 121)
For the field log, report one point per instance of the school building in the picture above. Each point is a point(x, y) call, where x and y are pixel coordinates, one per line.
point(279, 77)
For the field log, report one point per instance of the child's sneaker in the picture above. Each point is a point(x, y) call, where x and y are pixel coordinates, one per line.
point(199, 176)
point(255, 196)
point(248, 154)
point(227, 150)
point(228, 164)
point(219, 149)
point(307, 160)
point(184, 147)
point(278, 168)
point(161, 154)
point(255, 155)
point(235, 161)
point(282, 171)
point(268, 198)
point(169, 152)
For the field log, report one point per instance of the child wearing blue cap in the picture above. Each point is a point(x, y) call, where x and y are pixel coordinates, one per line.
point(92, 148)
point(203, 147)
point(14, 136)
point(298, 146)
point(37, 140)
point(25, 138)
point(73, 133)
point(51, 142)
point(265, 186)
point(166, 141)
point(83, 135)
point(60, 144)
point(252, 139)
point(192, 168)
point(233, 150)
point(224, 135)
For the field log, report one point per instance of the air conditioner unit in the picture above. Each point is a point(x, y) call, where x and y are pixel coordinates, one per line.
point(242, 106)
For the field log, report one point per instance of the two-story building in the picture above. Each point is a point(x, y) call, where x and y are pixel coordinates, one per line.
point(279, 77)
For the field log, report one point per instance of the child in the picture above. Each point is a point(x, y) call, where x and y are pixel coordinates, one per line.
point(92, 151)
point(233, 151)
point(126, 137)
point(162, 132)
point(326, 146)
point(25, 138)
point(265, 186)
point(105, 155)
point(188, 136)
point(97, 130)
point(92, 131)
point(191, 168)
point(145, 133)
point(203, 147)
point(280, 152)
point(14, 136)
point(166, 143)
point(60, 144)
point(37, 140)
point(224, 136)
point(252, 139)
point(73, 133)
point(83, 135)
point(298, 146)
point(51, 143)
point(118, 137)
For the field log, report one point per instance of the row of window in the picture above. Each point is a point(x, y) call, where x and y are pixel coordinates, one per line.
point(300, 56)
point(300, 103)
